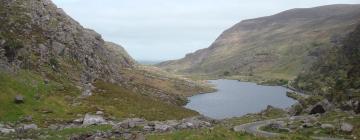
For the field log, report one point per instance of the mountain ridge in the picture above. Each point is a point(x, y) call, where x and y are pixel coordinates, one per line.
point(259, 47)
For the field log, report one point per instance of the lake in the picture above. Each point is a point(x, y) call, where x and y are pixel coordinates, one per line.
point(234, 99)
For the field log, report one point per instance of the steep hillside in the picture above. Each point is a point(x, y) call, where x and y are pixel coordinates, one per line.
point(336, 75)
point(273, 47)
point(60, 70)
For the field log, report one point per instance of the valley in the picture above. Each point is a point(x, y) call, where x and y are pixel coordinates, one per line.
point(60, 80)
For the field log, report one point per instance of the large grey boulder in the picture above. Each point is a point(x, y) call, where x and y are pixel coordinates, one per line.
point(346, 127)
point(93, 119)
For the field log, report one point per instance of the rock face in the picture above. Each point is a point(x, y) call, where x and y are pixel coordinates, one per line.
point(57, 40)
point(271, 44)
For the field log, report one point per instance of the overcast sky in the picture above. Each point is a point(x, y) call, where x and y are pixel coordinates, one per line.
point(169, 29)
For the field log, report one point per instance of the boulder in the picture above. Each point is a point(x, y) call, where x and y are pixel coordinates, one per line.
point(307, 125)
point(346, 127)
point(327, 126)
point(19, 99)
point(295, 109)
point(78, 121)
point(30, 127)
point(129, 123)
point(99, 113)
point(317, 109)
point(6, 130)
point(277, 125)
point(139, 137)
point(93, 119)
point(148, 128)
point(162, 127)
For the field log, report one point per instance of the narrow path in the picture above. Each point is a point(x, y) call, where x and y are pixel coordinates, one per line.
point(254, 128)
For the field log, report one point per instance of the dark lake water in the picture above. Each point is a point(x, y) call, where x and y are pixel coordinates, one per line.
point(234, 99)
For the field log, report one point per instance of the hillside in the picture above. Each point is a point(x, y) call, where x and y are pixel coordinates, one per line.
point(274, 47)
point(59, 70)
point(336, 74)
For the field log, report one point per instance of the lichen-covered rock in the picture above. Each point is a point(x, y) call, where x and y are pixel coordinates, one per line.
point(346, 127)
point(93, 119)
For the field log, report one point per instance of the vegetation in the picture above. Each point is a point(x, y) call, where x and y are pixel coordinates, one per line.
point(336, 74)
point(223, 131)
point(58, 102)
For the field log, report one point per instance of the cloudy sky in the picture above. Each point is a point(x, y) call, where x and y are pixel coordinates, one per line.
point(169, 29)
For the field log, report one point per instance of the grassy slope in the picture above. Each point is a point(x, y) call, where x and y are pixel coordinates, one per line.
point(58, 101)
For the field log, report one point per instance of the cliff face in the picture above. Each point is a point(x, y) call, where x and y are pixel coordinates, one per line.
point(278, 46)
point(37, 35)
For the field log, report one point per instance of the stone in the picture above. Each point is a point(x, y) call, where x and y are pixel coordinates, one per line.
point(78, 121)
point(327, 126)
point(127, 136)
point(28, 118)
point(148, 128)
point(46, 81)
point(346, 127)
point(19, 99)
point(321, 107)
point(317, 109)
point(99, 113)
point(30, 127)
point(6, 130)
point(93, 119)
point(277, 124)
point(162, 127)
point(139, 137)
point(307, 125)
point(53, 127)
point(129, 123)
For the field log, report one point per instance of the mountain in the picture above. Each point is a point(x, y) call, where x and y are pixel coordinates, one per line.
point(59, 70)
point(336, 74)
point(273, 47)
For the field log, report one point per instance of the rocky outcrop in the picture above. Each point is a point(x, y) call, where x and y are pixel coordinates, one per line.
point(51, 38)
point(93, 119)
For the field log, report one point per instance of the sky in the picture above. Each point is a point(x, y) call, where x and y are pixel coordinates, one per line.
point(157, 30)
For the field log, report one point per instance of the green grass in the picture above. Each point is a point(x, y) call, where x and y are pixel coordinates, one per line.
point(38, 96)
point(54, 102)
point(122, 103)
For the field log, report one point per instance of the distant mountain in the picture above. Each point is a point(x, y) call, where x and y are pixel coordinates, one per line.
point(273, 47)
